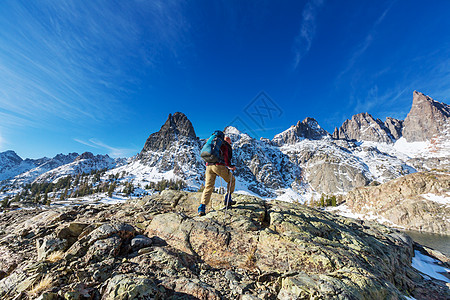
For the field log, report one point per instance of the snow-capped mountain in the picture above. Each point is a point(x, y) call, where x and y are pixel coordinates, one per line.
point(171, 153)
point(16, 172)
point(84, 163)
point(309, 129)
point(46, 166)
point(300, 162)
point(261, 167)
point(19, 171)
point(11, 165)
point(297, 163)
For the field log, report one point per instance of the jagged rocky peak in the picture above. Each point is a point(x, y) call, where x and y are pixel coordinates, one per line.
point(62, 157)
point(309, 128)
point(178, 123)
point(394, 126)
point(427, 119)
point(176, 127)
point(85, 155)
point(90, 156)
point(364, 127)
point(10, 157)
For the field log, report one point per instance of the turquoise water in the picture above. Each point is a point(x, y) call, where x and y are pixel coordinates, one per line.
point(438, 242)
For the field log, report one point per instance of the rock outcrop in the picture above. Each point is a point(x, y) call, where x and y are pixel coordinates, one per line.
point(306, 129)
point(394, 127)
point(328, 166)
point(364, 127)
point(427, 119)
point(411, 202)
point(155, 248)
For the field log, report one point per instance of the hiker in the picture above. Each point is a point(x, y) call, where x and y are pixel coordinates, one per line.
point(221, 166)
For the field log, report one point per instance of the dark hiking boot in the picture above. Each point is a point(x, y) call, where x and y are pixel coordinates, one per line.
point(201, 210)
point(228, 202)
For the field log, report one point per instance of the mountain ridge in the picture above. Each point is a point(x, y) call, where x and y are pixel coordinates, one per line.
point(304, 160)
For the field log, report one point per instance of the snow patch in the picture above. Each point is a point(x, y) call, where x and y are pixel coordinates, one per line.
point(290, 195)
point(445, 200)
point(429, 266)
point(412, 149)
point(436, 147)
point(344, 210)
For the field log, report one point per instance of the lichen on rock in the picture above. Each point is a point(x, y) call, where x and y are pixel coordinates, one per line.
point(254, 250)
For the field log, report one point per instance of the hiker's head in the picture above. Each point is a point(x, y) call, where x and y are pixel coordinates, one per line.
point(227, 138)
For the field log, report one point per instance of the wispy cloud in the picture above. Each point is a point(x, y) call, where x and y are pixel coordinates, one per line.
point(390, 100)
point(439, 79)
point(1, 141)
point(78, 60)
point(362, 47)
point(304, 39)
point(112, 151)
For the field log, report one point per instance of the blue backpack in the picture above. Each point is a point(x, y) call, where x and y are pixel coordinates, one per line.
point(211, 150)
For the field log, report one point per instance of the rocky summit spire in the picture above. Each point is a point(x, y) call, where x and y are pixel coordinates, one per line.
point(427, 118)
point(176, 127)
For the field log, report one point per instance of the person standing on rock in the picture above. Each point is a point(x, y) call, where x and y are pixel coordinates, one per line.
point(217, 153)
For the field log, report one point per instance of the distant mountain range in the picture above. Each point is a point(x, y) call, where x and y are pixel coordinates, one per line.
point(300, 162)
point(15, 171)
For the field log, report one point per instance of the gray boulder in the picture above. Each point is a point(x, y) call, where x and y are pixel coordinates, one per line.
point(124, 287)
point(140, 241)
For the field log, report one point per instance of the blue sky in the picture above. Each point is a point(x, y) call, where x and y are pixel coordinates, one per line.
point(101, 76)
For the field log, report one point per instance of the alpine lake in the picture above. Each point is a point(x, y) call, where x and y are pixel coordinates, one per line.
point(438, 242)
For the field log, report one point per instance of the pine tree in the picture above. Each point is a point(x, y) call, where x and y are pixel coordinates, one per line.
point(322, 201)
point(17, 197)
point(5, 202)
point(333, 200)
point(111, 189)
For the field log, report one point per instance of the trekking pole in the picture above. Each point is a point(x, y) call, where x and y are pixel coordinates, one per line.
point(228, 191)
point(221, 187)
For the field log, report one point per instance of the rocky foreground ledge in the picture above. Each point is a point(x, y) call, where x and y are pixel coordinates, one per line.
point(156, 248)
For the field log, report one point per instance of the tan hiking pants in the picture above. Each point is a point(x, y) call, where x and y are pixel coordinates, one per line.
point(211, 173)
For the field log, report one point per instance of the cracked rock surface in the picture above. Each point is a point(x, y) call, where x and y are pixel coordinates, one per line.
point(157, 248)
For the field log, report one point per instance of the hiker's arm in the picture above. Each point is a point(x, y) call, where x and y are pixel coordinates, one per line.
point(226, 157)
